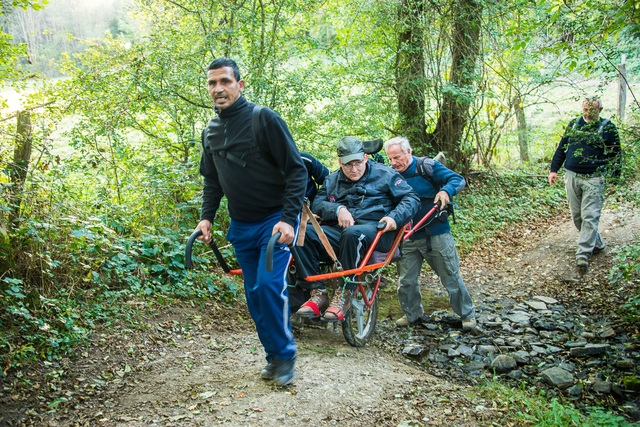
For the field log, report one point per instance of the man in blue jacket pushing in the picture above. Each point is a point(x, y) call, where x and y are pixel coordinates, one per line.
point(434, 243)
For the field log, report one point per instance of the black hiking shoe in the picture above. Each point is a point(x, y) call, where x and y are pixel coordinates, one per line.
point(583, 265)
point(285, 371)
point(268, 371)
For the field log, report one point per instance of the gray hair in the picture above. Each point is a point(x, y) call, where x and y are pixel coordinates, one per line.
point(595, 99)
point(402, 141)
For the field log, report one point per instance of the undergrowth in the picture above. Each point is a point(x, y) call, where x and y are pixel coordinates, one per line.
point(66, 274)
point(522, 408)
point(495, 202)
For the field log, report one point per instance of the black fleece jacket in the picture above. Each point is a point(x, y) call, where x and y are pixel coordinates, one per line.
point(585, 150)
point(257, 181)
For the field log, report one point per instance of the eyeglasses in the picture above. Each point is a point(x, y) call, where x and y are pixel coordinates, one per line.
point(353, 165)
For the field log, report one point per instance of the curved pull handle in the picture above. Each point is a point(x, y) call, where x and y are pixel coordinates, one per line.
point(187, 251)
point(270, 246)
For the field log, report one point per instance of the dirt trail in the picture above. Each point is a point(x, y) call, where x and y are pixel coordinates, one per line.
point(540, 260)
point(199, 366)
point(210, 376)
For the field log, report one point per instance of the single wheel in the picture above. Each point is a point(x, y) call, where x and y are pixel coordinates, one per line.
point(359, 323)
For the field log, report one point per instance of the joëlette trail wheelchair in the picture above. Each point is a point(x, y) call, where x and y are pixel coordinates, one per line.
point(359, 323)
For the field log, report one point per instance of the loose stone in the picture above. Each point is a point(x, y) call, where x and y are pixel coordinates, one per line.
point(504, 363)
point(557, 377)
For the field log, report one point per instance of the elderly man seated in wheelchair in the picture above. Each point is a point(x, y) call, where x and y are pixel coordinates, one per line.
point(350, 204)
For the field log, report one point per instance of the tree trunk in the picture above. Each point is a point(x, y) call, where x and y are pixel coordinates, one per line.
point(523, 142)
point(410, 75)
point(458, 96)
point(18, 170)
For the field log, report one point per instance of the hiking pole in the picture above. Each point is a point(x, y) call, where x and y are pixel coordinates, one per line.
point(216, 252)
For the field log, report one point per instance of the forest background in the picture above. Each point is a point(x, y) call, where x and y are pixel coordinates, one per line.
point(103, 104)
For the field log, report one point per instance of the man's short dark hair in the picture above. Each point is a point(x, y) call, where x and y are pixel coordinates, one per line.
point(225, 62)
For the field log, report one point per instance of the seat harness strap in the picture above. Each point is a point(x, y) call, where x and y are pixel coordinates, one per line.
point(306, 210)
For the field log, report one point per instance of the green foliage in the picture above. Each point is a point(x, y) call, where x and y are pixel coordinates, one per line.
point(53, 30)
point(626, 262)
point(79, 273)
point(522, 408)
point(558, 414)
point(36, 327)
point(632, 308)
point(12, 52)
point(586, 32)
point(86, 245)
point(630, 141)
point(494, 203)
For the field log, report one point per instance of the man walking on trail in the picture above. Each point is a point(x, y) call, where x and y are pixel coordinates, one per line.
point(434, 243)
point(589, 150)
point(265, 183)
point(351, 203)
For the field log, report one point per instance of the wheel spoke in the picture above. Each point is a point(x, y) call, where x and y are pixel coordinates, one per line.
point(360, 321)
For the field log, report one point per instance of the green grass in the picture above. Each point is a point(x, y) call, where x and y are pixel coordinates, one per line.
point(522, 408)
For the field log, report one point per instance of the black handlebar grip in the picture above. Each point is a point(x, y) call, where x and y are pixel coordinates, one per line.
point(187, 252)
point(270, 246)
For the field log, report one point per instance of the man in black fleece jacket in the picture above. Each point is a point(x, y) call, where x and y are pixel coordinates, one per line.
point(265, 183)
point(589, 149)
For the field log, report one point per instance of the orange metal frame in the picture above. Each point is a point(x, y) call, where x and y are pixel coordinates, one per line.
point(403, 234)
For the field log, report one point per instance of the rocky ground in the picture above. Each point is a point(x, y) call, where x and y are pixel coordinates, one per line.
point(540, 325)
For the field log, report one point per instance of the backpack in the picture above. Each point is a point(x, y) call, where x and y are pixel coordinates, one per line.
point(599, 131)
point(255, 123)
point(259, 146)
point(422, 171)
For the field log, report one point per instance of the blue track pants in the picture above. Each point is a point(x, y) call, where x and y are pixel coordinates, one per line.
point(266, 292)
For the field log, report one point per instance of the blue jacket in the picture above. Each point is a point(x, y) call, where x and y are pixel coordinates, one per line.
point(380, 192)
point(445, 179)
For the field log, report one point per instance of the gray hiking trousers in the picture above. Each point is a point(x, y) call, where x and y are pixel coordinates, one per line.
point(441, 255)
point(586, 198)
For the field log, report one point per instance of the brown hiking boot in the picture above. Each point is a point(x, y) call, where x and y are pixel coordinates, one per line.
point(469, 324)
point(339, 306)
point(402, 322)
point(314, 307)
